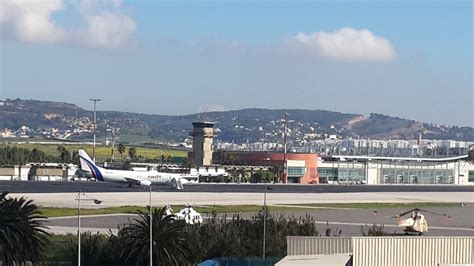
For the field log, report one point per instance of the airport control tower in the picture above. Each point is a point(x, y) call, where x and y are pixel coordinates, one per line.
point(203, 133)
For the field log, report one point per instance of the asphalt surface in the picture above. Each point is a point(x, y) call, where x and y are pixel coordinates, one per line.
point(58, 187)
point(347, 221)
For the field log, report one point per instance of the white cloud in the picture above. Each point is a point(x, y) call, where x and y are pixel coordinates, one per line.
point(32, 22)
point(108, 30)
point(347, 43)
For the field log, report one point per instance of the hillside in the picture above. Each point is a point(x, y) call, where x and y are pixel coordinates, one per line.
point(68, 121)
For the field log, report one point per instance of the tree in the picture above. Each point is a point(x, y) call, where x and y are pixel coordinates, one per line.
point(219, 157)
point(170, 240)
point(242, 237)
point(22, 235)
point(92, 246)
point(186, 164)
point(277, 171)
point(64, 154)
point(121, 149)
point(261, 176)
point(132, 152)
point(232, 159)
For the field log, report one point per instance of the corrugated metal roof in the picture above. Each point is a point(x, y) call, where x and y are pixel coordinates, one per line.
point(387, 251)
point(319, 259)
point(416, 251)
point(301, 245)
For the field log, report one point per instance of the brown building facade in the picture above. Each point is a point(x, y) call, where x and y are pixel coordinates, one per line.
point(301, 167)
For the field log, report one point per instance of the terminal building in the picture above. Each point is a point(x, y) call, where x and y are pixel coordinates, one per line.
point(309, 168)
point(39, 172)
point(396, 170)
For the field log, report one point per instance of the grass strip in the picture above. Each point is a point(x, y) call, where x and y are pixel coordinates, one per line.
point(381, 205)
point(58, 212)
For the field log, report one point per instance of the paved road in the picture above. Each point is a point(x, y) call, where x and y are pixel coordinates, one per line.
point(58, 187)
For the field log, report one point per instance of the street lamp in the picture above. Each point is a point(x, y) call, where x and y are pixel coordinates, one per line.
point(151, 231)
point(79, 199)
point(95, 100)
point(265, 218)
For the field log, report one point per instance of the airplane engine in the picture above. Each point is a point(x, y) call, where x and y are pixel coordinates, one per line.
point(145, 183)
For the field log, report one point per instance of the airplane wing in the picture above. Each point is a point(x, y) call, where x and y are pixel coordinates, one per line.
point(140, 182)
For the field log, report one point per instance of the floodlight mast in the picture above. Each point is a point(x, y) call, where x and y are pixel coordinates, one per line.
point(284, 149)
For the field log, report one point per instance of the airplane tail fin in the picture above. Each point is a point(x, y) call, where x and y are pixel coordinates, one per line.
point(88, 165)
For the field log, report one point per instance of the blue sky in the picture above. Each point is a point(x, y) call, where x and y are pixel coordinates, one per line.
point(401, 58)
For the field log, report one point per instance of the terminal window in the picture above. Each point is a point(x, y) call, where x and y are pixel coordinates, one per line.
point(296, 171)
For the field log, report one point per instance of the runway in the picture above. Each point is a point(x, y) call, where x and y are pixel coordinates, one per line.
point(59, 187)
point(62, 194)
point(116, 199)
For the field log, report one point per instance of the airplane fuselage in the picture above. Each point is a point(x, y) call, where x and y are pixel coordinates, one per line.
point(124, 176)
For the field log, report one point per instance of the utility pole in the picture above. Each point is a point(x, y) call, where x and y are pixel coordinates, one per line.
point(95, 100)
point(79, 228)
point(284, 147)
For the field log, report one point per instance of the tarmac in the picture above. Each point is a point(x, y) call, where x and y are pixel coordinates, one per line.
point(57, 187)
point(115, 199)
point(347, 222)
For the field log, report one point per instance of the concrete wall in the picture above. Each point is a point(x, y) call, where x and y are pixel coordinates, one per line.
point(14, 173)
point(7, 171)
point(43, 172)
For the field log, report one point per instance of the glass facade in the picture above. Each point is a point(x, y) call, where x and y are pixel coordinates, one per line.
point(296, 171)
point(471, 176)
point(327, 174)
point(351, 174)
point(417, 176)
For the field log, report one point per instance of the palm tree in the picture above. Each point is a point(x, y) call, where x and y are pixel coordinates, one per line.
point(22, 235)
point(92, 248)
point(170, 238)
point(121, 149)
point(132, 152)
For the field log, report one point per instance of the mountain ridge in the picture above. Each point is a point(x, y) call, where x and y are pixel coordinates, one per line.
point(252, 124)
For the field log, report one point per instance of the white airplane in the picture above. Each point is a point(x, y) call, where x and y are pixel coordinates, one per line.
point(142, 178)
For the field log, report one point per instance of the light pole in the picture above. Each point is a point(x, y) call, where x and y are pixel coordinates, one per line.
point(264, 219)
point(95, 100)
point(79, 199)
point(151, 232)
